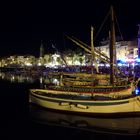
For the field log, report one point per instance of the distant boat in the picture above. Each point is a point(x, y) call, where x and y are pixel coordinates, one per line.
point(96, 83)
point(103, 98)
point(115, 125)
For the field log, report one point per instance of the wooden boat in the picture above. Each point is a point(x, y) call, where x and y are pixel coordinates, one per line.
point(112, 125)
point(82, 103)
point(101, 98)
point(85, 85)
point(96, 83)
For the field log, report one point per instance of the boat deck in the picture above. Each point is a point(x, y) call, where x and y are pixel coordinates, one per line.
point(80, 97)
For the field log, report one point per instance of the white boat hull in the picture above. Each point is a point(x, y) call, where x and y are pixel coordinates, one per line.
point(129, 105)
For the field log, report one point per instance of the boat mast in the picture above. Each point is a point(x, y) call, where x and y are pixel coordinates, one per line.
point(112, 48)
point(87, 48)
point(93, 53)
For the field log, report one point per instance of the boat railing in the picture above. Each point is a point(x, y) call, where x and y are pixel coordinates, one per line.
point(90, 97)
point(88, 89)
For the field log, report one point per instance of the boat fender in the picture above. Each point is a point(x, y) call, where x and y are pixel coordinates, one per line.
point(82, 106)
point(64, 103)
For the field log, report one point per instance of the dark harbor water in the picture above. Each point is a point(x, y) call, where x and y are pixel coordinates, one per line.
point(20, 120)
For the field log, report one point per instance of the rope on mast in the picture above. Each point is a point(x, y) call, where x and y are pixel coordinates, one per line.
point(102, 25)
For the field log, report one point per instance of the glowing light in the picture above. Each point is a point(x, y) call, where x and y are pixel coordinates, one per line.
point(39, 64)
point(56, 81)
point(77, 63)
point(107, 65)
point(137, 91)
point(123, 60)
point(28, 64)
point(138, 59)
point(41, 80)
point(119, 64)
point(101, 64)
point(130, 60)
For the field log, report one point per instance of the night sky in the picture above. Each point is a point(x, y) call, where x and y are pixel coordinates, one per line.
point(24, 25)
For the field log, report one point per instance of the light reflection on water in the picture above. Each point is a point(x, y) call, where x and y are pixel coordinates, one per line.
point(19, 78)
point(23, 78)
point(64, 124)
point(28, 78)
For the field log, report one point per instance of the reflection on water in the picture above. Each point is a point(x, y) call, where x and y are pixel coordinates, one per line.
point(117, 126)
point(23, 78)
point(45, 122)
point(19, 78)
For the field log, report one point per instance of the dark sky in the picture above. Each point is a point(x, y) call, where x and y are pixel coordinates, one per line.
point(24, 25)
